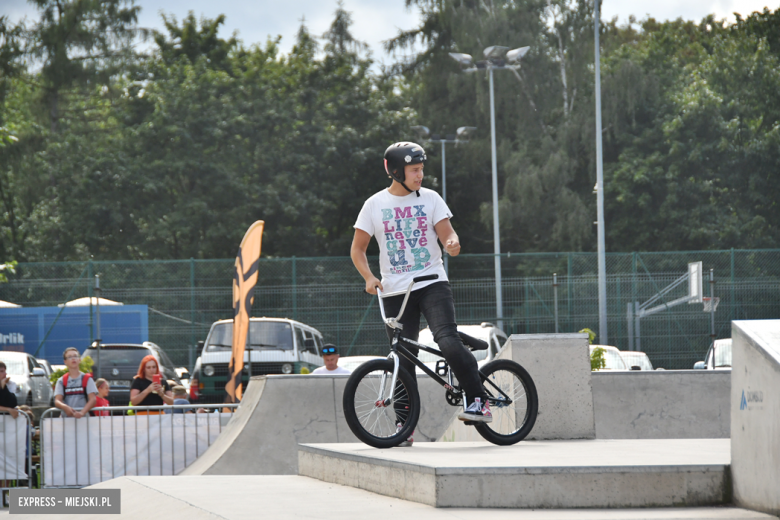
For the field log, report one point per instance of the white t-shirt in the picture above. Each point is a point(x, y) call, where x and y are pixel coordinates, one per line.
point(404, 229)
point(320, 371)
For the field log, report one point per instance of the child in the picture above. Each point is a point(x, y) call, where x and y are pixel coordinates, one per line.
point(103, 388)
point(75, 391)
point(180, 397)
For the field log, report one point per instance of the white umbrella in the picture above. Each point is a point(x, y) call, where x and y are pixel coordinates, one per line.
point(8, 305)
point(86, 301)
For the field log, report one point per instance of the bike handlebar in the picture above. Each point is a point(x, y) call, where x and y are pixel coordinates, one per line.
point(393, 322)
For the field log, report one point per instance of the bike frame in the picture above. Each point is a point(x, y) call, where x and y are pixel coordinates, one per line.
point(397, 347)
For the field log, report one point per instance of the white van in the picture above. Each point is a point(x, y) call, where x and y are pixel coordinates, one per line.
point(276, 345)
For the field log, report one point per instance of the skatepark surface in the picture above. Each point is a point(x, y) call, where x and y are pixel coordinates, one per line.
point(288, 496)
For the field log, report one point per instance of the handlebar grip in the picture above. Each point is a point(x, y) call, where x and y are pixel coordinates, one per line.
point(426, 278)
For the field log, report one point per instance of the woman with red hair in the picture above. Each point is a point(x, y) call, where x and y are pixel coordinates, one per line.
point(145, 391)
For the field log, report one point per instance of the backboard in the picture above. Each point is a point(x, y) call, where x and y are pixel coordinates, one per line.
point(695, 282)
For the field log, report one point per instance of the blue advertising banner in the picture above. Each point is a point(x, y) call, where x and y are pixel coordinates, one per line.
point(23, 329)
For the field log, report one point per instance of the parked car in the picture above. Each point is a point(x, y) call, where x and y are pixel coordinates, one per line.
point(32, 385)
point(118, 363)
point(718, 356)
point(487, 332)
point(278, 346)
point(352, 362)
point(636, 360)
point(614, 361)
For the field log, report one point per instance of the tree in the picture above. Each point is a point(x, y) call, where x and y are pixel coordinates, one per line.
point(80, 42)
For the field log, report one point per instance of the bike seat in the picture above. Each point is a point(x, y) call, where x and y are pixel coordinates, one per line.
point(473, 343)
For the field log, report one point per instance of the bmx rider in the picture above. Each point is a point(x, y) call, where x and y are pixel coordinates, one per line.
point(406, 220)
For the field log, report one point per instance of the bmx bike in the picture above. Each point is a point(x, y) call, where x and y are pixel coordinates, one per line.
point(382, 403)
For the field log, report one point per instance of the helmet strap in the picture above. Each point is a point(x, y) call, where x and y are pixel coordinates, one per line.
point(407, 189)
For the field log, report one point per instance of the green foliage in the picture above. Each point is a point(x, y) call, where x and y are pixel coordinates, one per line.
point(591, 335)
point(597, 360)
point(108, 154)
point(7, 267)
point(85, 366)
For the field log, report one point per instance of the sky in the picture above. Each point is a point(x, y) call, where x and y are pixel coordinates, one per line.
point(375, 20)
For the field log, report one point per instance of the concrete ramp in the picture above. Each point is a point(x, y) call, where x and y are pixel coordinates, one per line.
point(279, 412)
point(755, 414)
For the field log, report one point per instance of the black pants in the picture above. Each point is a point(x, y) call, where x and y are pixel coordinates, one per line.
point(435, 302)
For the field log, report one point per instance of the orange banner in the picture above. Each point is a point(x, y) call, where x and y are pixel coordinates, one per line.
point(244, 280)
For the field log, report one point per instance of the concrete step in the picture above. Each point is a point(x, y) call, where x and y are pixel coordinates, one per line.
point(533, 474)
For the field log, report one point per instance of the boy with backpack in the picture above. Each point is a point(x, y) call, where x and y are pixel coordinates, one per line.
point(75, 393)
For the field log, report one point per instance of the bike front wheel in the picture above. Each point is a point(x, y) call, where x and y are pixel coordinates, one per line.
point(369, 415)
point(513, 418)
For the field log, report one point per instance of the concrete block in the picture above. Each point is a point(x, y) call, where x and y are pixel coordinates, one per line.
point(559, 365)
point(662, 404)
point(541, 474)
point(755, 414)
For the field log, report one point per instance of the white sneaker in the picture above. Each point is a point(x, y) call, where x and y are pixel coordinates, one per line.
point(476, 412)
point(408, 442)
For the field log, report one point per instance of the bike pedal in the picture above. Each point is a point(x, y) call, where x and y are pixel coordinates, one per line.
point(469, 423)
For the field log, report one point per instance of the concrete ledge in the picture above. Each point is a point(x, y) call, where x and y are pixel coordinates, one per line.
point(544, 474)
point(662, 404)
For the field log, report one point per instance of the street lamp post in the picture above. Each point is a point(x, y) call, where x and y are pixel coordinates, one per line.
point(458, 137)
point(496, 57)
point(601, 247)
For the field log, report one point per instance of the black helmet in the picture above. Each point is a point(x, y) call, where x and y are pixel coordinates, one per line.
point(399, 155)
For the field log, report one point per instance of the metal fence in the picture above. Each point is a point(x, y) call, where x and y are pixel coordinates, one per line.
point(155, 440)
point(185, 297)
point(16, 468)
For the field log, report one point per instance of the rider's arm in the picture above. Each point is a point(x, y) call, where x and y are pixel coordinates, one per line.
point(358, 254)
point(448, 237)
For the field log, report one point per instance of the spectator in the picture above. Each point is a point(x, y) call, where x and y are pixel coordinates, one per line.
point(75, 392)
point(330, 355)
point(7, 393)
point(145, 392)
point(180, 397)
point(103, 389)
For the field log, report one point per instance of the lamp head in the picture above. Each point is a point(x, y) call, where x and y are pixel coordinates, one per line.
point(463, 59)
point(422, 131)
point(495, 52)
point(465, 131)
point(517, 54)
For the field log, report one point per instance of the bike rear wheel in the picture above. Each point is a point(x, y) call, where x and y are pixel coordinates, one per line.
point(368, 417)
point(512, 421)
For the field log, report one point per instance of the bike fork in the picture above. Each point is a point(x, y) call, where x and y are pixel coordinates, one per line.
point(387, 401)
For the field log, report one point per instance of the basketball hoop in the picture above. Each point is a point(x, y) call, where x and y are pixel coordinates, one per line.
point(710, 304)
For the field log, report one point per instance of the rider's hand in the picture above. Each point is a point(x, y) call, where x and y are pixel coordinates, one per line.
point(452, 247)
point(371, 285)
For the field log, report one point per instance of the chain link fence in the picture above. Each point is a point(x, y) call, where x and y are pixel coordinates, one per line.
point(186, 296)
